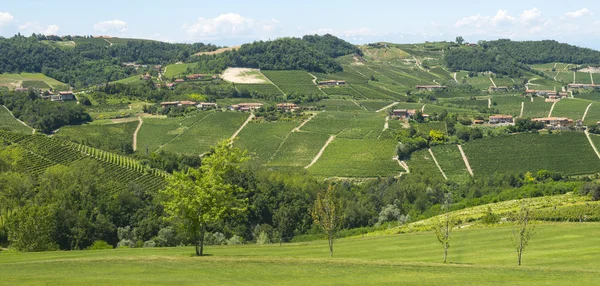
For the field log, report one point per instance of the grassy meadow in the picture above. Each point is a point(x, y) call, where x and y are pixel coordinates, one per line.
point(36, 80)
point(8, 122)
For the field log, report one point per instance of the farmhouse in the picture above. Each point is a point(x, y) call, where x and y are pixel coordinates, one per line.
point(580, 85)
point(332, 82)
point(170, 85)
point(186, 103)
point(63, 96)
point(498, 88)
point(287, 106)
point(404, 113)
point(169, 104)
point(179, 80)
point(501, 119)
point(555, 121)
point(478, 122)
point(206, 105)
point(470, 44)
point(21, 89)
point(147, 76)
point(246, 106)
point(430, 87)
point(195, 76)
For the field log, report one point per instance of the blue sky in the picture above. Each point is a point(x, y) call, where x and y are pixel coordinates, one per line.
point(235, 22)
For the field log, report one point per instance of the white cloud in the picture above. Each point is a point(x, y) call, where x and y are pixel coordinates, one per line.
point(478, 21)
point(579, 13)
point(529, 16)
point(230, 25)
point(35, 27)
point(112, 26)
point(5, 18)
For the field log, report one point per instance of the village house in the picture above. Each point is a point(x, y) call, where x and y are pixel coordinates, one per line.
point(498, 88)
point(63, 96)
point(46, 94)
point(187, 103)
point(147, 76)
point(478, 122)
point(332, 82)
point(287, 106)
point(170, 85)
point(501, 119)
point(195, 76)
point(21, 89)
point(470, 44)
point(542, 92)
point(246, 106)
point(555, 122)
point(572, 86)
point(207, 105)
point(404, 113)
point(431, 87)
point(179, 80)
point(169, 104)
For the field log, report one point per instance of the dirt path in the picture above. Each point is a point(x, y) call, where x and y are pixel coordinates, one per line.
point(586, 112)
point(242, 127)
point(402, 164)
point(177, 136)
point(552, 109)
point(493, 83)
point(320, 152)
point(437, 164)
point(587, 134)
point(591, 77)
point(522, 108)
point(110, 44)
point(532, 99)
point(11, 114)
point(314, 78)
point(464, 156)
point(386, 125)
point(555, 65)
point(489, 103)
point(423, 108)
point(388, 106)
point(358, 104)
point(455, 78)
point(297, 129)
point(136, 133)
point(574, 77)
point(556, 75)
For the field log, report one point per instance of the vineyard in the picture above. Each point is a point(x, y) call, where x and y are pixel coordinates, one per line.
point(7, 121)
point(272, 135)
point(450, 160)
point(570, 108)
point(347, 124)
point(43, 152)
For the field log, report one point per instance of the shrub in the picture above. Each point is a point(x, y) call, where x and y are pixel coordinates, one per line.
point(149, 244)
point(100, 244)
point(490, 217)
point(234, 240)
point(167, 237)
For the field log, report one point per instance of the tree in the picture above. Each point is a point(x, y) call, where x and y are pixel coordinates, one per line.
point(443, 228)
point(524, 230)
point(327, 213)
point(460, 40)
point(200, 197)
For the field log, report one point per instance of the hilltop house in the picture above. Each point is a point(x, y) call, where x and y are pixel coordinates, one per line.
point(501, 119)
point(555, 122)
point(404, 113)
point(431, 87)
point(332, 83)
point(246, 106)
point(207, 105)
point(63, 96)
point(177, 103)
point(287, 106)
point(147, 76)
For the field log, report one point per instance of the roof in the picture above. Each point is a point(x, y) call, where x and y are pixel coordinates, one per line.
point(179, 80)
point(286, 105)
point(431, 86)
point(501, 117)
point(250, 104)
point(66, 93)
point(552, 119)
point(187, 102)
point(207, 103)
point(169, 103)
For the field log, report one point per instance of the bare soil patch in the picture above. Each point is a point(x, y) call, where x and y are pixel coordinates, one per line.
point(243, 75)
point(218, 51)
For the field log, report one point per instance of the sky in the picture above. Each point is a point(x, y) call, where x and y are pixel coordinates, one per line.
point(227, 23)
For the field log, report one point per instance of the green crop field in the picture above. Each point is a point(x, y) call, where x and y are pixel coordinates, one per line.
point(265, 89)
point(538, 108)
point(583, 77)
point(505, 81)
point(357, 158)
point(95, 41)
point(450, 160)
point(593, 115)
point(594, 96)
point(299, 149)
point(338, 105)
point(467, 103)
point(206, 132)
point(369, 91)
point(98, 135)
point(263, 140)
point(422, 162)
point(565, 76)
point(156, 132)
point(177, 70)
point(8, 122)
point(596, 77)
point(431, 108)
point(545, 84)
point(16, 80)
point(510, 105)
point(347, 91)
point(477, 256)
point(347, 124)
point(293, 81)
point(569, 153)
point(480, 82)
point(570, 108)
point(131, 79)
point(35, 84)
point(374, 105)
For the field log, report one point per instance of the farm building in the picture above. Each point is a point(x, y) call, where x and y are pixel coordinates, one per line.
point(430, 87)
point(177, 103)
point(207, 105)
point(186, 103)
point(498, 88)
point(147, 76)
point(246, 106)
point(404, 113)
point(470, 44)
point(555, 122)
point(287, 106)
point(195, 76)
point(580, 85)
point(179, 80)
point(332, 82)
point(501, 119)
point(21, 89)
point(63, 96)
point(541, 92)
point(478, 122)
point(170, 85)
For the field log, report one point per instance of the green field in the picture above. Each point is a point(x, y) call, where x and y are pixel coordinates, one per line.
point(293, 81)
point(131, 79)
point(354, 125)
point(8, 122)
point(481, 82)
point(200, 135)
point(593, 115)
point(263, 139)
point(177, 70)
point(565, 76)
point(357, 158)
point(374, 105)
point(422, 162)
point(583, 77)
point(298, 150)
point(156, 132)
point(477, 256)
point(570, 108)
point(510, 105)
point(569, 153)
point(338, 105)
point(451, 162)
point(99, 135)
point(538, 108)
point(13, 80)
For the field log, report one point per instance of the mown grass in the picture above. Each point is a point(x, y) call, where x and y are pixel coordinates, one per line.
point(357, 158)
point(476, 257)
point(569, 153)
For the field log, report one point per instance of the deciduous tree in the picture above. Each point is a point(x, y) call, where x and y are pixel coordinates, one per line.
point(523, 231)
point(327, 213)
point(443, 228)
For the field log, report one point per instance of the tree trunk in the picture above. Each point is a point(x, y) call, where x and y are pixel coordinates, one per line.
point(202, 233)
point(445, 252)
point(331, 244)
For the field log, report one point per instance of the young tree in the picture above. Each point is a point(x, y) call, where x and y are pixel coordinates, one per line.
point(443, 228)
point(460, 40)
point(327, 213)
point(524, 230)
point(200, 197)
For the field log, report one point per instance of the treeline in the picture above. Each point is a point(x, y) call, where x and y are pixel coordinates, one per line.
point(311, 53)
point(542, 52)
point(88, 63)
point(482, 60)
point(43, 115)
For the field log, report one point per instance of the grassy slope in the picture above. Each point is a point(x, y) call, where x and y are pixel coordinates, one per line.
point(477, 256)
point(98, 134)
point(271, 136)
point(8, 122)
point(11, 79)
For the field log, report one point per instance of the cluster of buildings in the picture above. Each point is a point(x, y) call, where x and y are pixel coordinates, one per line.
point(551, 95)
point(499, 88)
point(254, 106)
point(431, 87)
point(573, 86)
point(549, 122)
point(186, 103)
point(331, 83)
point(406, 113)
